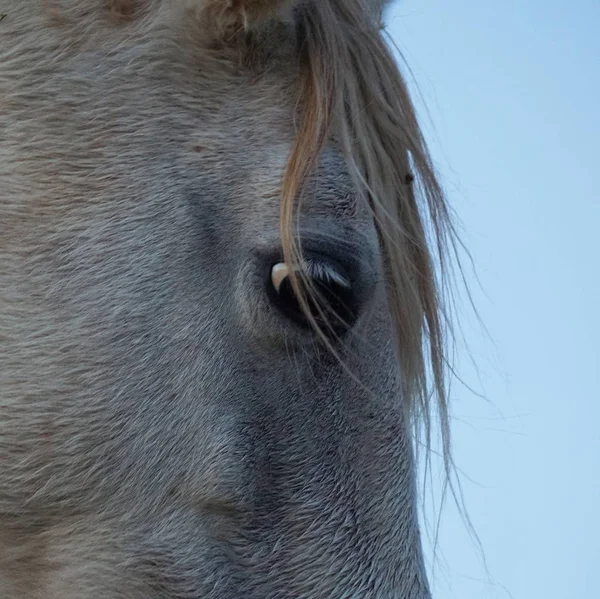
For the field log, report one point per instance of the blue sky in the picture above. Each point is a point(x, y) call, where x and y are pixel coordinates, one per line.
point(512, 96)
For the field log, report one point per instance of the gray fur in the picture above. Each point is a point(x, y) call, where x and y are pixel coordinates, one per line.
point(164, 433)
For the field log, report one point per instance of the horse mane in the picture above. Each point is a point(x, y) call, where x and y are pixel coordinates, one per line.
point(352, 86)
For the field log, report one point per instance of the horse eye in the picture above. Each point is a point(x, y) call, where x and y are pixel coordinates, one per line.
point(330, 297)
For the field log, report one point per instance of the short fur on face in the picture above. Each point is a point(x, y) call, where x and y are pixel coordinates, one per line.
point(164, 432)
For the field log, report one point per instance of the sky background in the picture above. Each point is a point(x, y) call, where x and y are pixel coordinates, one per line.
point(512, 96)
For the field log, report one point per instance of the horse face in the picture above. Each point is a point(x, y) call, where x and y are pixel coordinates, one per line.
point(171, 427)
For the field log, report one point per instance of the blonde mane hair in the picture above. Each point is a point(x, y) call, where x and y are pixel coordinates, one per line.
point(352, 86)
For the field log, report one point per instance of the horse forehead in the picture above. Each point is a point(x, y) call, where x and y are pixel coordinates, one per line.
point(161, 70)
point(230, 127)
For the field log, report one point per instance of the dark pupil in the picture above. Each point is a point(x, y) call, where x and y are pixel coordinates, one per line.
point(331, 308)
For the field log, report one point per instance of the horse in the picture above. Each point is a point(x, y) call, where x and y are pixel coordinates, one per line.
point(222, 302)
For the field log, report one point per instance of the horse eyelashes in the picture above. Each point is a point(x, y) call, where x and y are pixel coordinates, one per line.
point(327, 297)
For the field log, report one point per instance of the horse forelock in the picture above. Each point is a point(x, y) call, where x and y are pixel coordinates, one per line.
point(354, 89)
